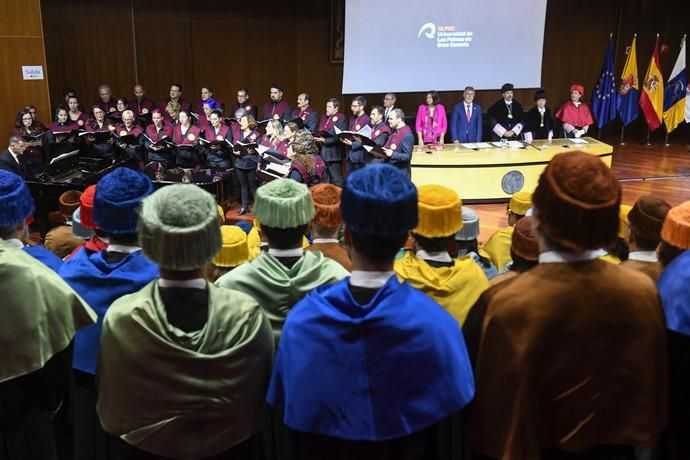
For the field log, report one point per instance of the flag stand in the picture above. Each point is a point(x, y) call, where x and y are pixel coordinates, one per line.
point(666, 144)
point(648, 142)
point(622, 142)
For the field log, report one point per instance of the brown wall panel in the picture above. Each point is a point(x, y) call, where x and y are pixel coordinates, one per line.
point(21, 42)
point(253, 44)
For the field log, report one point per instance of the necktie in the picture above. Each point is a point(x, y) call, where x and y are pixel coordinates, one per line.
point(469, 113)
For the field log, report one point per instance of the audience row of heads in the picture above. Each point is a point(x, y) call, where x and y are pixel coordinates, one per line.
point(575, 207)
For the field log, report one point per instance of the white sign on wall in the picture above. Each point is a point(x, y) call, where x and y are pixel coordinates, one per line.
point(32, 72)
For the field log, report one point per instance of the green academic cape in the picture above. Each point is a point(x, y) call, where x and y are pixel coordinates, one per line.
point(184, 395)
point(276, 287)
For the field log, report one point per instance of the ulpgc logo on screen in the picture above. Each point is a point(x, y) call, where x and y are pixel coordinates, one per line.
point(446, 36)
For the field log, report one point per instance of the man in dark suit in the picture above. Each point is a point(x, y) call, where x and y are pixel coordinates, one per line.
point(10, 159)
point(466, 119)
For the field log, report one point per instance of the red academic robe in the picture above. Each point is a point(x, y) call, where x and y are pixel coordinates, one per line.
point(578, 116)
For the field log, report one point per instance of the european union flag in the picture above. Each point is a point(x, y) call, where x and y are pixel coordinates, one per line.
point(605, 95)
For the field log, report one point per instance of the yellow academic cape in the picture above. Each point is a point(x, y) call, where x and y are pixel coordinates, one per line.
point(455, 288)
point(498, 247)
point(40, 313)
point(184, 395)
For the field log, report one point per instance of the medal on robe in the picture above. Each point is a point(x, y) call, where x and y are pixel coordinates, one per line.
point(191, 137)
point(357, 127)
point(248, 108)
point(219, 137)
point(276, 117)
point(377, 132)
point(334, 119)
point(80, 122)
point(123, 133)
point(252, 137)
point(393, 146)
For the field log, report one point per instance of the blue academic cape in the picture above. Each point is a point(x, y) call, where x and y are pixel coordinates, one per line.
point(369, 372)
point(674, 290)
point(101, 283)
point(44, 255)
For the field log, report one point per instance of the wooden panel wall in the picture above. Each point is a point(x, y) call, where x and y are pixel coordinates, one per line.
point(253, 44)
point(21, 42)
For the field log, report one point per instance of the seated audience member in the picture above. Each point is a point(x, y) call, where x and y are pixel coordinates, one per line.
point(539, 122)
point(326, 224)
point(466, 119)
point(368, 367)
point(95, 239)
point(233, 253)
point(506, 116)
point(206, 350)
point(101, 278)
point(618, 251)
point(14, 229)
point(431, 122)
point(455, 284)
point(570, 357)
point(61, 240)
point(279, 278)
point(468, 246)
point(498, 244)
point(674, 290)
point(40, 317)
point(645, 221)
point(307, 166)
point(575, 114)
point(524, 251)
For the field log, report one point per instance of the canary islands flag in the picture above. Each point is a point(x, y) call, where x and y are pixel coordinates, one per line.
point(675, 96)
point(629, 87)
point(652, 98)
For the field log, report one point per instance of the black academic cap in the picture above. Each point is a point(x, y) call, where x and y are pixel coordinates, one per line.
point(539, 94)
point(507, 87)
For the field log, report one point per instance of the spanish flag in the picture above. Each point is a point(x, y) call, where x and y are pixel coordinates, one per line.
point(652, 98)
point(675, 94)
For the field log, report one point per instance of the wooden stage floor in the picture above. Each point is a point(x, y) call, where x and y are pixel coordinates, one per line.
point(658, 170)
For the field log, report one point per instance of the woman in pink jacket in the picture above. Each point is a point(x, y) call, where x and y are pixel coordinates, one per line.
point(431, 121)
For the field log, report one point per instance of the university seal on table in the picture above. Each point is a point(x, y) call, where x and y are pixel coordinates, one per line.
point(512, 182)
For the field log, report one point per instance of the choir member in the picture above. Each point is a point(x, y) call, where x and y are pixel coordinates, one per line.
point(76, 115)
point(99, 123)
point(172, 112)
point(207, 95)
point(466, 119)
point(141, 105)
point(234, 123)
point(575, 114)
point(246, 162)
point(131, 150)
point(186, 136)
point(400, 143)
point(59, 137)
point(389, 100)
point(332, 150)
point(244, 103)
point(34, 114)
point(105, 99)
point(505, 116)
point(33, 135)
point(66, 94)
point(155, 132)
point(539, 122)
point(431, 122)
point(175, 96)
point(306, 112)
point(289, 131)
point(41, 314)
point(276, 108)
point(121, 104)
point(356, 155)
point(216, 150)
point(380, 131)
point(274, 138)
point(307, 166)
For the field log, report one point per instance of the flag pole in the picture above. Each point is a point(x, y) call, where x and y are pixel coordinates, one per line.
point(649, 142)
point(622, 142)
point(666, 144)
